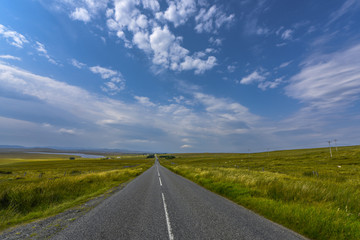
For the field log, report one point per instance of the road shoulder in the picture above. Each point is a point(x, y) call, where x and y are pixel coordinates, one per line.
point(48, 227)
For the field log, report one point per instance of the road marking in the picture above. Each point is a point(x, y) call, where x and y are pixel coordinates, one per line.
point(158, 171)
point(160, 181)
point(171, 236)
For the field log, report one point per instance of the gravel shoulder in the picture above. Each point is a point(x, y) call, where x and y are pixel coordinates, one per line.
point(48, 227)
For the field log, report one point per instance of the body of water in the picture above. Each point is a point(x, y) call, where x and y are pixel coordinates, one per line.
point(82, 155)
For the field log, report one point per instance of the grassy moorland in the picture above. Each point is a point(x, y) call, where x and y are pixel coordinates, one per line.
point(33, 186)
point(304, 190)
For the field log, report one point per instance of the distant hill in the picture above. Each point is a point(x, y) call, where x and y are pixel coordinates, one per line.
point(95, 151)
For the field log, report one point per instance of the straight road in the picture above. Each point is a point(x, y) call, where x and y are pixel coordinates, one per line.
point(162, 205)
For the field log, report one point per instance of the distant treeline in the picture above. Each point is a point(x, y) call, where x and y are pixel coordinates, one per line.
point(166, 156)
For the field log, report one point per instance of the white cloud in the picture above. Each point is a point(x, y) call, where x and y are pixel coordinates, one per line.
point(348, 5)
point(212, 19)
point(268, 84)
point(262, 31)
point(285, 64)
point(14, 38)
point(142, 41)
point(81, 14)
point(231, 117)
point(328, 81)
point(151, 4)
point(179, 11)
point(252, 26)
point(231, 68)
point(81, 10)
point(163, 43)
point(113, 87)
point(77, 64)
point(279, 30)
point(152, 36)
point(255, 76)
point(186, 146)
point(259, 76)
point(43, 52)
point(10, 57)
point(103, 72)
point(41, 48)
point(287, 34)
point(104, 119)
point(215, 41)
point(115, 83)
point(67, 131)
point(200, 65)
point(145, 101)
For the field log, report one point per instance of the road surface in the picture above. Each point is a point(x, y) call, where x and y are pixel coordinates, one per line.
point(162, 205)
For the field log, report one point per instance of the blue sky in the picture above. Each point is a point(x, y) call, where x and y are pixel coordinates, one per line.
point(179, 75)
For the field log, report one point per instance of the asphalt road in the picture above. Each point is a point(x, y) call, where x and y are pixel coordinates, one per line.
point(162, 205)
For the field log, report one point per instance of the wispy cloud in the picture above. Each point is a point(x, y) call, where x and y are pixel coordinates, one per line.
point(145, 101)
point(270, 84)
point(81, 10)
point(212, 19)
point(231, 68)
point(287, 34)
point(77, 64)
point(347, 6)
point(116, 81)
point(43, 52)
point(255, 76)
point(10, 57)
point(186, 146)
point(215, 41)
point(328, 81)
point(14, 38)
point(166, 124)
point(285, 64)
point(66, 131)
point(260, 77)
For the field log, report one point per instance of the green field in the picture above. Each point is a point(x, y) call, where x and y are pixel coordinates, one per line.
point(304, 190)
point(34, 186)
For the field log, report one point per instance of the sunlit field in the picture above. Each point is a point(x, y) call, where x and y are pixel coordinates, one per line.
point(34, 186)
point(305, 190)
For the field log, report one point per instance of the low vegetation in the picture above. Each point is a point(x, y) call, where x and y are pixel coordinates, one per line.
point(167, 156)
point(304, 190)
point(34, 186)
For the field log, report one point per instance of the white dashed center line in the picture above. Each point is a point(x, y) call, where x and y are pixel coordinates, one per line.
point(171, 236)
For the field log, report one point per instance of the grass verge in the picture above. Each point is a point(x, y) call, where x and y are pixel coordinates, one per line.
point(304, 190)
point(31, 189)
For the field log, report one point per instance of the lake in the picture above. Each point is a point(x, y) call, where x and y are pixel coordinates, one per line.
point(82, 155)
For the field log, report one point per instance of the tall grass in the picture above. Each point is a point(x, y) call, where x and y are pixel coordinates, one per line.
point(304, 190)
point(25, 195)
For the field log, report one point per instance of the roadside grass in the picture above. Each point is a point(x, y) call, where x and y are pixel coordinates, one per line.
point(304, 190)
point(32, 188)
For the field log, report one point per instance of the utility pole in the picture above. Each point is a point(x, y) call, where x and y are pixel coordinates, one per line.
point(330, 148)
point(335, 144)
